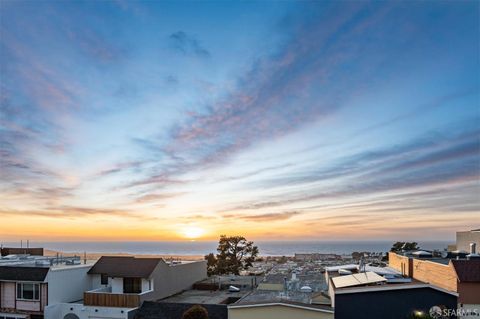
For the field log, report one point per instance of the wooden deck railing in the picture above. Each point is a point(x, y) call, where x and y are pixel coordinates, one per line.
point(111, 300)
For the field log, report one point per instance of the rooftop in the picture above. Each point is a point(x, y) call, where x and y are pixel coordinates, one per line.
point(121, 266)
point(292, 298)
point(360, 279)
point(206, 297)
point(167, 310)
point(51, 262)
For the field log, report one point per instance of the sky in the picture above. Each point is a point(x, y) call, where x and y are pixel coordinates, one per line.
point(276, 120)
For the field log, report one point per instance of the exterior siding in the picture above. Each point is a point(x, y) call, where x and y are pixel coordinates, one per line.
point(276, 312)
point(169, 280)
point(401, 263)
point(439, 275)
point(393, 304)
point(31, 306)
point(8, 295)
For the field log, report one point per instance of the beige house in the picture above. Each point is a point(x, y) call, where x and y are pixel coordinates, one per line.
point(279, 310)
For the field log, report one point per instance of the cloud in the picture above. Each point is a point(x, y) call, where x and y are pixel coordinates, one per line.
point(430, 161)
point(188, 44)
point(264, 217)
point(157, 197)
point(301, 83)
point(71, 212)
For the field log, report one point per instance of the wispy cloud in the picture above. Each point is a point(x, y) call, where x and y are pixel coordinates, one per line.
point(188, 44)
point(268, 217)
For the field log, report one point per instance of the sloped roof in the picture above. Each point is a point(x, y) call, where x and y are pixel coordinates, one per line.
point(467, 270)
point(21, 273)
point(120, 266)
point(166, 310)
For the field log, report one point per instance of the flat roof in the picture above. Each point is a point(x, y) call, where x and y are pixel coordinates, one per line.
point(204, 296)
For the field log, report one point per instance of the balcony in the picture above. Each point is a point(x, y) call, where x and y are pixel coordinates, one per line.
point(103, 297)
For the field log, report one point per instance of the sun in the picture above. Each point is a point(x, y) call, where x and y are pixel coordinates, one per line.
point(192, 232)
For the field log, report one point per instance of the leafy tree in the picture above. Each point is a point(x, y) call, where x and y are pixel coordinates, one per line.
point(234, 254)
point(196, 312)
point(211, 264)
point(400, 245)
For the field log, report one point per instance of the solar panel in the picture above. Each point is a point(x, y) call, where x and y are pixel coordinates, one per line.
point(363, 278)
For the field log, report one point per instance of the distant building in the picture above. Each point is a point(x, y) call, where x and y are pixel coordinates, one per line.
point(119, 285)
point(466, 238)
point(28, 284)
point(5, 251)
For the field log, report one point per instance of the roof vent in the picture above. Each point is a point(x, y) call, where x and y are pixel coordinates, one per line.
point(473, 248)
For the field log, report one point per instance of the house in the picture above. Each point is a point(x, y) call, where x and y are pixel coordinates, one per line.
point(119, 286)
point(28, 284)
point(381, 294)
point(461, 276)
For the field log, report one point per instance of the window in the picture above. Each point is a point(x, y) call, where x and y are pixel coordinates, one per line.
point(132, 285)
point(104, 279)
point(28, 291)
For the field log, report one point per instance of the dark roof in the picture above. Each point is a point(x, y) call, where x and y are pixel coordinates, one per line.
point(120, 266)
point(167, 310)
point(21, 273)
point(467, 270)
point(4, 251)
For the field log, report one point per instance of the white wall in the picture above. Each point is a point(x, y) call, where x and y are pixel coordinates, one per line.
point(59, 311)
point(169, 280)
point(117, 285)
point(146, 285)
point(68, 284)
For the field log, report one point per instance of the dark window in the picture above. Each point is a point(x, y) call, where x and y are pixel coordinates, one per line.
point(132, 285)
point(28, 291)
point(104, 279)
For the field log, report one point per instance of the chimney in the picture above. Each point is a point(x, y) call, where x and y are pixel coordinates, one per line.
point(473, 248)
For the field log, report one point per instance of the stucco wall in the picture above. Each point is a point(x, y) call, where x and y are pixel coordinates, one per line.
point(168, 280)
point(464, 238)
point(276, 312)
point(59, 311)
point(67, 284)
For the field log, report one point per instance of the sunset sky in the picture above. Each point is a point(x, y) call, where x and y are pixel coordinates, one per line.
point(275, 120)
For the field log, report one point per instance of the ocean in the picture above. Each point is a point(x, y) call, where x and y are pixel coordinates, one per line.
point(195, 248)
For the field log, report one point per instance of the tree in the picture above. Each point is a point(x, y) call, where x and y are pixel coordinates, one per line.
point(195, 312)
point(234, 254)
point(400, 245)
point(211, 264)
